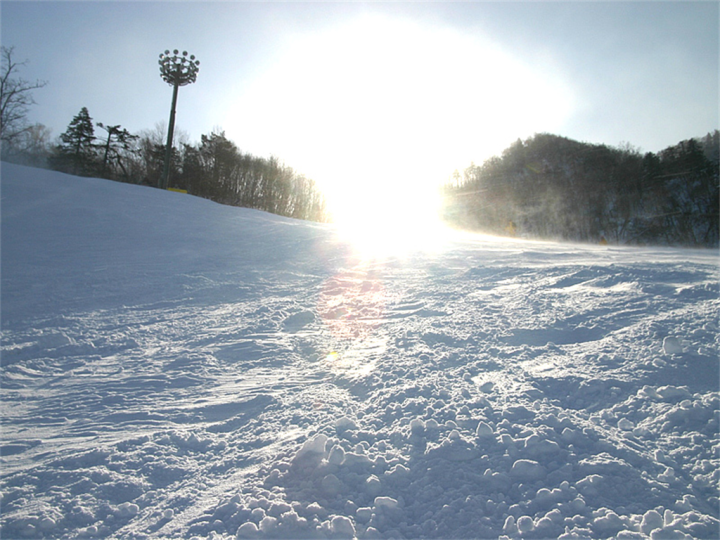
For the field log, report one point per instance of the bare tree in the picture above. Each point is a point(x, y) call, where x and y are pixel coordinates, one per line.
point(15, 98)
point(31, 147)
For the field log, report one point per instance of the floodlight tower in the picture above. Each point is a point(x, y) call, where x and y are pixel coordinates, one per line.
point(177, 71)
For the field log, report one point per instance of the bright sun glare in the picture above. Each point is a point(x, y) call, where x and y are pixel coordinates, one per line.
point(381, 111)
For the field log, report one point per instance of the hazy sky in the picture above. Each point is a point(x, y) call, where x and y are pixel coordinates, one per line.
point(344, 91)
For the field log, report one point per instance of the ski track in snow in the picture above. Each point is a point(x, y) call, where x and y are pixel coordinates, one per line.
point(176, 368)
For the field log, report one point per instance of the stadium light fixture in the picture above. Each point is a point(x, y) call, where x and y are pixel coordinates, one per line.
point(177, 70)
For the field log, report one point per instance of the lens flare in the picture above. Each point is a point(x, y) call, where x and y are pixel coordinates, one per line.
point(352, 303)
point(381, 110)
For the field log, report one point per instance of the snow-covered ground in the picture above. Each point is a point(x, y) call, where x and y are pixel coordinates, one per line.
point(176, 368)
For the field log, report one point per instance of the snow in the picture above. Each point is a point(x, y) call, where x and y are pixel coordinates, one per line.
point(176, 368)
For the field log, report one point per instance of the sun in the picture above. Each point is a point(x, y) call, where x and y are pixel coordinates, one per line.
point(380, 111)
point(395, 224)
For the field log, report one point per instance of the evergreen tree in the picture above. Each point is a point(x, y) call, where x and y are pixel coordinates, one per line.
point(118, 142)
point(77, 153)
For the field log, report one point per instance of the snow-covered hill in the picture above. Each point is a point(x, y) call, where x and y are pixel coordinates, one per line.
point(176, 368)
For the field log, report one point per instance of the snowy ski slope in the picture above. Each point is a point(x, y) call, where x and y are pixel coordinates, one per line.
point(173, 368)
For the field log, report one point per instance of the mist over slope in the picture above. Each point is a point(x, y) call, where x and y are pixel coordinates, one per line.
point(172, 367)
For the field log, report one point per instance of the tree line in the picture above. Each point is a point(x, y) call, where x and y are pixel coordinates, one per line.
point(552, 187)
point(214, 168)
point(546, 186)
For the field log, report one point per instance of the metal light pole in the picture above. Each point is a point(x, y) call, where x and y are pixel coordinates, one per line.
point(176, 71)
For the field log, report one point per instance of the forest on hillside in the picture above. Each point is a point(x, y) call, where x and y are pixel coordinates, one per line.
point(544, 187)
point(552, 187)
point(214, 168)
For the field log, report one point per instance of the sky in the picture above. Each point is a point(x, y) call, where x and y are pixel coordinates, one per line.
point(394, 96)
